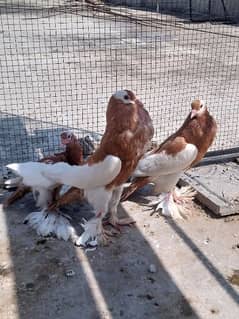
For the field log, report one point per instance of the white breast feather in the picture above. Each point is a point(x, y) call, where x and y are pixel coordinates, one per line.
point(164, 164)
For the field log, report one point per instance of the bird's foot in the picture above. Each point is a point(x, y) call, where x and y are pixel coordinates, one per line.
point(117, 223)
point(104, 238)
point(94, 234)
point(167, 206)
point(157, 204)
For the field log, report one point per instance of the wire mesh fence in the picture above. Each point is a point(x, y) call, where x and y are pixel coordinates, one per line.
point(61, 61)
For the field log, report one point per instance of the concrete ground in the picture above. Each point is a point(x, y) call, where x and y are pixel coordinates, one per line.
point(158, 269)
point(61, 61)
point(58, 69)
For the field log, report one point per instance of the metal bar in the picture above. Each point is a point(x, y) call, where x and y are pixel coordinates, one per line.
point(219, 157)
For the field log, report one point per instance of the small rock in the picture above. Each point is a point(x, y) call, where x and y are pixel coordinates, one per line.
point(234, 278)
point(5, 270)
point(151, 279)
point(152, 268)
point(206, 241)
point(214, 311)
point(29, 286)
point(149, 297)
point(121, 313)
point(70, 273)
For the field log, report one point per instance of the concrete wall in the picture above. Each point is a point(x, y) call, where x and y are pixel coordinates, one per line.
point(199, 7)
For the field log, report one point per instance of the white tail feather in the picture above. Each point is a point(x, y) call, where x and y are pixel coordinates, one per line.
point(31, 172)
point(13, 181)
point(85, 176)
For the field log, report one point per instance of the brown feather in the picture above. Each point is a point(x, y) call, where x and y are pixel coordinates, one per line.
point(72, 155)
point(200, 131)
point(128, 130)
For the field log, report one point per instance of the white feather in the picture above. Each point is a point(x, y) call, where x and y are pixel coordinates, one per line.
point(42, 196)
point(167, 205)
point(92, 229)
point(13, 181)
point(46, 227)
point(51, 224)
point(35, 219)
point(85, 176)
point(165, 183)
point(120, 95)
point(164, 164)
point(64, 189)
point(31, 172)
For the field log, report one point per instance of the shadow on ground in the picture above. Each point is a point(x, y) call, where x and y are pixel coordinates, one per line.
point(55, 279)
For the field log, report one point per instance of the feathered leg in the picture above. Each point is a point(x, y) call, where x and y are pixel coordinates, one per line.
point(113, 206)
point(184, 194)
point(50, 222)
point(94, 231)
point(175, 204)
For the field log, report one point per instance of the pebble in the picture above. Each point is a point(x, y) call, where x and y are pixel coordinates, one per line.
point(29, 286)
point(152, 268)
point(70, 273)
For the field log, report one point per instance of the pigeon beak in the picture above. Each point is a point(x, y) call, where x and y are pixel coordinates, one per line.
point(193, 114)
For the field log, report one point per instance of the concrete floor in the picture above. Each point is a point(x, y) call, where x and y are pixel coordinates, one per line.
point(58, 71)
point(195, 260)
point(60, 66)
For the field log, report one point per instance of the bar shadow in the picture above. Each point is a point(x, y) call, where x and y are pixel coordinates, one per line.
point(143, 196)
point(128, 290)
point(54, 279)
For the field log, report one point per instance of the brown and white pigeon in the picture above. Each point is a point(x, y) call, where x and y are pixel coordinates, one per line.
point(127, 134)
point(180, 151)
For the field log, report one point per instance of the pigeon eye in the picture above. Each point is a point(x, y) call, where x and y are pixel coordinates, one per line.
point(126, 97)
point(69, 136)
point(201, 106)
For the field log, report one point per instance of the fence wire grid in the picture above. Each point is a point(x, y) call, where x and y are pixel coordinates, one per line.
point(62, 60)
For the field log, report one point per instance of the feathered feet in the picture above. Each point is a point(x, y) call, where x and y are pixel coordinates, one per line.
point(94, 233)
point(51, 224)
point(176, 203)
